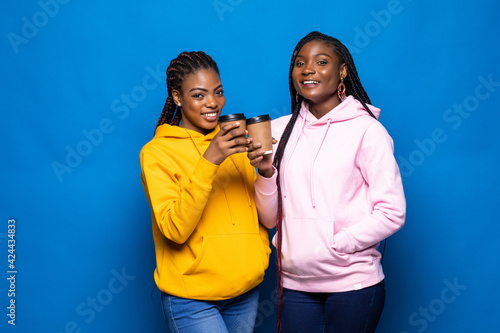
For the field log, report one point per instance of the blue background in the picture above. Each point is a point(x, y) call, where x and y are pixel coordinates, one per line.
point(82, 86)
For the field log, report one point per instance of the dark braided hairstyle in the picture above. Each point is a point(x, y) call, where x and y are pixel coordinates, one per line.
point(186, 63)
point(353, 87)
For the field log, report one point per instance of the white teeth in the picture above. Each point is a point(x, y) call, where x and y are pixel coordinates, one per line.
point(210, 114)
point(311, 82)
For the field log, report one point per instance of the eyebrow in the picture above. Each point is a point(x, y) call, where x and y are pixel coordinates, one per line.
point(316, 55)
point(206, 90)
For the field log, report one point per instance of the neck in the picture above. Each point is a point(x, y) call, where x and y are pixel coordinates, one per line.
point(320, 109)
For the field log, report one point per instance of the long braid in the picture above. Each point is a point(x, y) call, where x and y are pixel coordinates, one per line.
point(353, 87)
point(186, 63)
point(279, 225)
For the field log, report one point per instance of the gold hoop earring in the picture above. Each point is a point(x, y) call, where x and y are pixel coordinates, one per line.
point(341, 89)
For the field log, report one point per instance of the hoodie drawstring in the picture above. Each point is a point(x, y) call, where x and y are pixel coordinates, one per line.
point(243, 180)
point(290, 155)
point(194, 143)
point(311, 169)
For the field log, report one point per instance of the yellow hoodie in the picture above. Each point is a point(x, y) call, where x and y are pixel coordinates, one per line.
point(208, 240)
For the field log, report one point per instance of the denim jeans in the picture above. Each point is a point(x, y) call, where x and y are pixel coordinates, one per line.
point(235, 315)
point(355, 311)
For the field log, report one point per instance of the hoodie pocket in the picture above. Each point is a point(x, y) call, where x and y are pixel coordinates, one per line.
point(226, 266)
point(307, 248)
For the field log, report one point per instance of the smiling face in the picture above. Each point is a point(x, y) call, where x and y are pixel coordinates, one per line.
point(201, 99)
point(316, 75)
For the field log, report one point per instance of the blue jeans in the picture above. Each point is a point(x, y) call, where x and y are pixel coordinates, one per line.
point(355, 311)
point(235, 315)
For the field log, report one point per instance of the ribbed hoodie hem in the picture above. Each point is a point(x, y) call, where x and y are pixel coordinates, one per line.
point(348, 281)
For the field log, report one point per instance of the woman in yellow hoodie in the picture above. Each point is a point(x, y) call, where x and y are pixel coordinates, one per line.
point(211, 250)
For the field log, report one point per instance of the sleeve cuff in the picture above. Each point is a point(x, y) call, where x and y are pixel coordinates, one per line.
point(266, 185)
point(205, 172)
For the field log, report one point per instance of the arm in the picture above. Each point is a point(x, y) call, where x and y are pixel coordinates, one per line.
point(385, 191)
point(177, 207)
point(266, 199)
point(266, 190)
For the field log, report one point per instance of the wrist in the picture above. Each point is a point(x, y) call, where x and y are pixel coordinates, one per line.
point(266, 173)
point(212, 159)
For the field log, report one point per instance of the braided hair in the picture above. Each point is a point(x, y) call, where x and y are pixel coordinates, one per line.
point(186, 63)
point(353, 87)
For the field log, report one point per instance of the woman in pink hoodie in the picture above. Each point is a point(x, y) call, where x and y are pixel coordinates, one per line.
point(334, 192)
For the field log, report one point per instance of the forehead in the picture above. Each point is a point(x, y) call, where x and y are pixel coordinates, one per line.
point(202, 78)
point(316, 47)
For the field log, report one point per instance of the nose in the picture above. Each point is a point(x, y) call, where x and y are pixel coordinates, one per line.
point(308, 69)
point(210, 102)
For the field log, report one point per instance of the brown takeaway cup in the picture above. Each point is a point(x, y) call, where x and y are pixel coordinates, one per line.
point(259, 129)
point(232, 118)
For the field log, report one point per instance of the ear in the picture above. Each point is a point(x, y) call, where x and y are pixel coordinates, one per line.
point(176, 95)
point(343, 71)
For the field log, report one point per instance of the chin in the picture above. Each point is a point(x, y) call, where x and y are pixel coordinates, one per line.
point(209, 128)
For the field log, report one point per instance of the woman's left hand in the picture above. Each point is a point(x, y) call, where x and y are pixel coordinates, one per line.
point(259, 159)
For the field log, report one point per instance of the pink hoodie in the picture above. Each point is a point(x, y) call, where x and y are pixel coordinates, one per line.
point(342, 195)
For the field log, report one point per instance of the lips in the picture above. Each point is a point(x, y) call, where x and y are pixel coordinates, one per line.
point(210, 116)
point(309, 83)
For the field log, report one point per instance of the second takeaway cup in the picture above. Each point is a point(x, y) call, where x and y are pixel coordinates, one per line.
point(232, 118)
point(259, 129)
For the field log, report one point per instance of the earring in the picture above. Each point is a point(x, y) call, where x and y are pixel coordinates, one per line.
point(341, 89)
point(179, 105)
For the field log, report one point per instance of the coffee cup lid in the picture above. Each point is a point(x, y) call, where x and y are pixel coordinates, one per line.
point(231, 117)
point(258, 119)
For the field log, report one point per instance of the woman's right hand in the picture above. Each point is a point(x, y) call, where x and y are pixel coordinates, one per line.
point(230, 140)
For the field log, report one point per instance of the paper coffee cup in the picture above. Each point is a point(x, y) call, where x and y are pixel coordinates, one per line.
point(232, 118)
point(259, 129)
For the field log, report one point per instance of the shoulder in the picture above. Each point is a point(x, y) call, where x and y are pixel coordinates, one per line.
point(151, 147)
point(376, 135)
point(281, 121)
point(278, 125)
point(375, 127)
point(156, 150)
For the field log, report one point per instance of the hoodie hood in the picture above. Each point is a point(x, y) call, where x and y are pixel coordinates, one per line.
point(199, 140)
point(171, 131)
point(349, 109)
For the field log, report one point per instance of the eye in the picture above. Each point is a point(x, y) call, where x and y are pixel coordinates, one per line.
point(219, 93)
point(197, 96)
point(299, 63)
point(322, 62)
